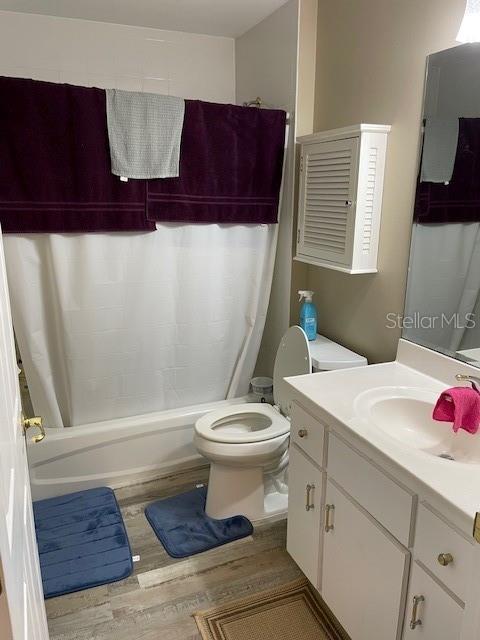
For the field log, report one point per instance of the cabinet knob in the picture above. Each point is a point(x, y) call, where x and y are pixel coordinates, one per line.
point(445, 559)
point(302, 433)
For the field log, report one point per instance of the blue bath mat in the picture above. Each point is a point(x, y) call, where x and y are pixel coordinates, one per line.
point(82, 541)
point(184, 529)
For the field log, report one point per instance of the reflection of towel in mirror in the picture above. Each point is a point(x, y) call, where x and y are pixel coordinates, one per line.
point(459, 201)
point(460, 405)
point(439, 149)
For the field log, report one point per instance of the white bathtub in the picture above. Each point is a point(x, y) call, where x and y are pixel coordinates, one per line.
point(116, 453)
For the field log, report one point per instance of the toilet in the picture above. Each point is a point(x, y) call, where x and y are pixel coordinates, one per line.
point(247, 444)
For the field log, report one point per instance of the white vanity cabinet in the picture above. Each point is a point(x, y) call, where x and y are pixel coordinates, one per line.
point(386, 563)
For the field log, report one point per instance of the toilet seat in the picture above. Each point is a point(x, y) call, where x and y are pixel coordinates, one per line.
point(242, 423)
point(252, 422)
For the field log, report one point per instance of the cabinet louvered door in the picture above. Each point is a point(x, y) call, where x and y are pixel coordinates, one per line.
point(327, 200)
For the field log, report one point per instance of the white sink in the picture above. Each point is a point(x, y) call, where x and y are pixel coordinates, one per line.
point(388, 409)
point(404, 415)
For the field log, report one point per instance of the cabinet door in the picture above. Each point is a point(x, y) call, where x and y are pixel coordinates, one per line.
point(363, 571)
point(328, 190)
point(304, 514)
point(431, 613)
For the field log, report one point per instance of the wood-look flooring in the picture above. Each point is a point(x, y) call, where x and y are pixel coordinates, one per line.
point(157, 601)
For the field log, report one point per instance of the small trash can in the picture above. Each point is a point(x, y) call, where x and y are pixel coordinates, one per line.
point(262, 388)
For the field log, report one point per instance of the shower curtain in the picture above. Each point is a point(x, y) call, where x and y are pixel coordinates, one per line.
point(445, 259)
point(115, 325)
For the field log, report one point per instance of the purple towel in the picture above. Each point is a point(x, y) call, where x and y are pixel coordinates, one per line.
point(459, 201)
point(55, 163)
point(231, 162)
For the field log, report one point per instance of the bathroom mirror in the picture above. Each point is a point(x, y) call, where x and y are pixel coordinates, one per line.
point(442, 309)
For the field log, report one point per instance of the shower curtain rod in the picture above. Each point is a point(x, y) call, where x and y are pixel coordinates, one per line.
point(259, 103)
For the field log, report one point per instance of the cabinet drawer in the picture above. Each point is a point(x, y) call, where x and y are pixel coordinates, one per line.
point(434, 537)
point(307, 433)
point(304, 524)
point(383, 498)
point(436, 615)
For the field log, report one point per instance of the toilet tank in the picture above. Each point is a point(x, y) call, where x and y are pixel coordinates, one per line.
point(328, 355)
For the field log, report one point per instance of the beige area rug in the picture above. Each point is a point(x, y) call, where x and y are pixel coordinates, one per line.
point(290, 612)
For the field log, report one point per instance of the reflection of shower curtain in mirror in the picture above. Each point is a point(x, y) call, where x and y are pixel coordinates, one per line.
point(444, 279)
point(113, 325)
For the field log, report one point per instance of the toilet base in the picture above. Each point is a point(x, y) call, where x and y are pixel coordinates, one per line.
point(235, 491)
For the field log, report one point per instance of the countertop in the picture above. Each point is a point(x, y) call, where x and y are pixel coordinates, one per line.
point(336, 395)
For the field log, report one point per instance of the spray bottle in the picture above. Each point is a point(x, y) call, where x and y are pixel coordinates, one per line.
point(308, 315)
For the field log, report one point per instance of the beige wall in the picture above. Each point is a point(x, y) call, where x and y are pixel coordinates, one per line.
point(266, 66)
point(304, 112)
point(370, 68)
point(276, 61)
point(306, 65)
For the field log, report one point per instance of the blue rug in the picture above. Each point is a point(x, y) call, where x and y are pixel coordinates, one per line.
point(184, 529)
point(82, 541)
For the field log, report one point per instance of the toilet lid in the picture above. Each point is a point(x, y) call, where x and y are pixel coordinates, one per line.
point(293, 359)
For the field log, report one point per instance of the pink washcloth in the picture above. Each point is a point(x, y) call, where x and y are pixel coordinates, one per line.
point(460, 405)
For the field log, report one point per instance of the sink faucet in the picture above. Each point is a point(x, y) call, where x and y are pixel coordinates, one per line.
point(474, 380)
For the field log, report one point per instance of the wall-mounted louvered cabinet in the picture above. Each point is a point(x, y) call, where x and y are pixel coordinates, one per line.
point(340, 200)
